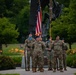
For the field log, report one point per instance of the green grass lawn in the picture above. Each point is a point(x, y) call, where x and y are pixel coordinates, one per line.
point(9, 74)
point(75, 74)
point(7, 50)
point(15, 51)
point(74, 45)
point(10, 50)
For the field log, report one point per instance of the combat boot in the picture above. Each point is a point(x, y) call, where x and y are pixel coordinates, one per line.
point(49, 69)
point(38, 69)
point(41, 70)
point(34, 69)
point(61, 70)
point(28, 69)
point(58, 69)
point(65, 69)
point(54, 70)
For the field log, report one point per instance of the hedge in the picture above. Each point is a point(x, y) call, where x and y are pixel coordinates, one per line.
point(6, 63)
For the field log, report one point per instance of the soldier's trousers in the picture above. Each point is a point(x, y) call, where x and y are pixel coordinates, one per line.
point(49, 56)
point(58, 55)
point(38, 60)
point(28, 60)
point(64, 60)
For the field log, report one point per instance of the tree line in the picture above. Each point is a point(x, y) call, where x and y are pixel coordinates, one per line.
point(14, 21)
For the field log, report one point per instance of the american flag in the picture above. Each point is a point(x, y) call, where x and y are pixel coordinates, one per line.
point(38, 30)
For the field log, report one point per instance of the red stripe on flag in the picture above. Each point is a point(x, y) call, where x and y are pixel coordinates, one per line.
point(38, 30)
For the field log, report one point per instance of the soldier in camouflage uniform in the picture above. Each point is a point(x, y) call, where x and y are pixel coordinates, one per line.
point(28, 47)
point(57, 47)
point(43, 53)
point(38, 47)
point(65, 48)
point(49, 53)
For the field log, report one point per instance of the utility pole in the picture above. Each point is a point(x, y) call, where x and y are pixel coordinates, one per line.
point(50, 14)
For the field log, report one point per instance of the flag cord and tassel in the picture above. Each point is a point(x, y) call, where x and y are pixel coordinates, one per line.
point(50, 16)
point(38, 30)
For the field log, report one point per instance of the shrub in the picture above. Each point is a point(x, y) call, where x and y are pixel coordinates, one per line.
point(71, 58)
point(17, 60)
point(71, 51)
point(6, 63)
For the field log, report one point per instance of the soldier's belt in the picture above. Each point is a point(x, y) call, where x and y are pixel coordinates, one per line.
point(57, 50)
point(28, 46)
point(49, 50)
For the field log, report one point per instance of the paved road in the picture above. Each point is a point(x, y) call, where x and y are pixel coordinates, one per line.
point(20, 71)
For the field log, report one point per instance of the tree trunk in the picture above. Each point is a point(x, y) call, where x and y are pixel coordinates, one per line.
point(70, 47)
point(1, 49)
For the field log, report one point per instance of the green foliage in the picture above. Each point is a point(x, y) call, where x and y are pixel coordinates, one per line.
point(9, 74)
point(71, 60)
point(8, 50)
point(71, 57)
point(64, 2)
point(14, 9)
point(10, 8)
point(17, 60)
point(8, 33)
point(6, 63)
point(75, 74)
point(16, 56)
point(22, 22)
point(65, 25)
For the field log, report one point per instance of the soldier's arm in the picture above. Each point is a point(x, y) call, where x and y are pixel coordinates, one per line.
point(32, 45)
point(52, 47)
point(25, 45)
point(33, 40)
point(43, 45)
point(63, 46)
point(66, 47)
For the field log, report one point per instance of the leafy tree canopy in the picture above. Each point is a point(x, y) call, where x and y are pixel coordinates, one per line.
point(8, 33)
point(65, 25)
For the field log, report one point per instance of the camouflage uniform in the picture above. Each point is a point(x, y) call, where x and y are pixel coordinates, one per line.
point(64, 55)
point(57, 47)
point(49, 54)
point(38, 47)
point(28, 47)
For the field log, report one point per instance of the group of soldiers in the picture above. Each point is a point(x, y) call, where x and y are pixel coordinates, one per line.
point(56, 54)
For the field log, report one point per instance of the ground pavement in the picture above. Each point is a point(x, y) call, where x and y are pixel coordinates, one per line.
point(70, 71)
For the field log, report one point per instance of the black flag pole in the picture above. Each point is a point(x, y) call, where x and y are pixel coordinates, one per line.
point(50, 14)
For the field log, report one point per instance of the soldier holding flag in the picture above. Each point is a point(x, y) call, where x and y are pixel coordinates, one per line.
point(28, 51)
point(38, 49)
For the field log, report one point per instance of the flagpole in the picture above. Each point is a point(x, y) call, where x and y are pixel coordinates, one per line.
point(39, 3)
point(40, 10)
point(50, 14)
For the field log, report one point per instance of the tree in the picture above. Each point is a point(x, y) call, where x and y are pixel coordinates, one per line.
point(10, 8)
point(65, 25)
point(8, 33)
point(64, 2)
point(22, 23)
point(18, 13)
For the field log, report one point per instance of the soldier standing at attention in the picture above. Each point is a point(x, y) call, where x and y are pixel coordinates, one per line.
point(38, 47)
point(65, 48)
point(49, 53)
point(28, 47)
point(57, 47)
